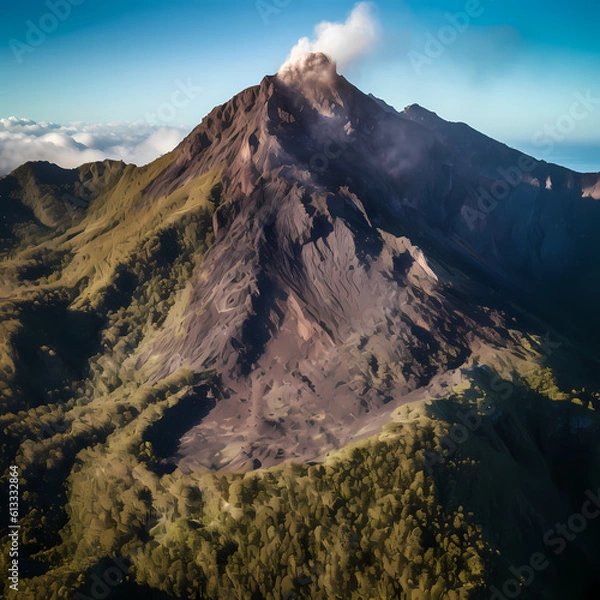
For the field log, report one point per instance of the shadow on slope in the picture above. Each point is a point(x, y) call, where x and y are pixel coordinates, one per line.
point(524, 467)
point(166, 433)
point(53, 347)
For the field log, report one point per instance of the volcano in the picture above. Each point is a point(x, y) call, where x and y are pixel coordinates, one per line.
point(304, 266)
point(360, 255)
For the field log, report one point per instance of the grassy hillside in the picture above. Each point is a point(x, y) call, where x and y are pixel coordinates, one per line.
point(419, 511)
point(452, 493)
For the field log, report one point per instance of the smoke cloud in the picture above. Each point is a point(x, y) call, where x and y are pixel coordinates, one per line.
point(345, 43)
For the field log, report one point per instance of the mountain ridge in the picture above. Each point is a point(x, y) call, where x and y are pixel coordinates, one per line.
point(320, 195)
point(286, 359)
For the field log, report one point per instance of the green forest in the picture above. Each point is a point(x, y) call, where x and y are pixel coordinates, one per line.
point(426, 509)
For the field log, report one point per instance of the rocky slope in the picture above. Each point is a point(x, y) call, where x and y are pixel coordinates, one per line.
point(333, 276)
point(360, 254)
point(306, 263)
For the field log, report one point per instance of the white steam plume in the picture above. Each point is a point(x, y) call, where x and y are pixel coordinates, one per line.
point(345, 43)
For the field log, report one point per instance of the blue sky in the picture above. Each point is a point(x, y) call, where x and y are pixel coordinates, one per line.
point(512, 71)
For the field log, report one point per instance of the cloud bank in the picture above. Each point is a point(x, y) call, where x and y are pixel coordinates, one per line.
point(345, 43)
point(71, 145)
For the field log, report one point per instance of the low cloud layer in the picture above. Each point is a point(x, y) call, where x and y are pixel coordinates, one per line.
point(71, 145)
point(346, 43)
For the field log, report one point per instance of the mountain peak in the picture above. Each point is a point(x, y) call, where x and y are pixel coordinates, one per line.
point(312, 66)
point(313, 77)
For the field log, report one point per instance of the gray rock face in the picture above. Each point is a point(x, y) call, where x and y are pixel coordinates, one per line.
point(356, 256)
point(363, 258)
